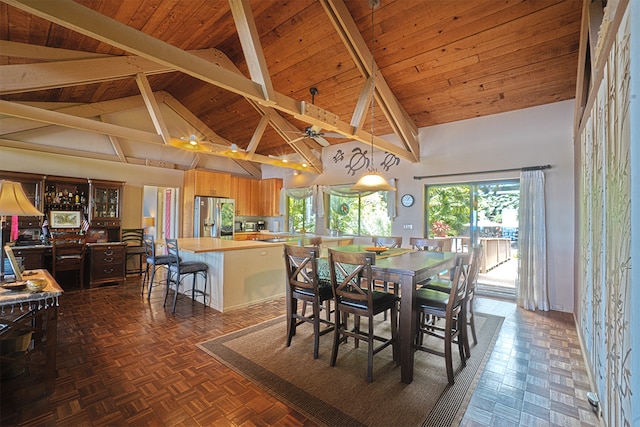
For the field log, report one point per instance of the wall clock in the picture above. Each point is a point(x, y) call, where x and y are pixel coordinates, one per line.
point(407, 200)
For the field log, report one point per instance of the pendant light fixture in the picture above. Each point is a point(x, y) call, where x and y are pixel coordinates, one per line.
point(372, 180)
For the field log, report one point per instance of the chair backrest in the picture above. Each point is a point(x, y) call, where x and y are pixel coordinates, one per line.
point(474, 268)
point(352, 278)
point(172, 251)
point(302, 267)
point(458, 288)
point(68, 251)
point(386, 241)
point(310, 241)
point(149, 246)
point(133, 236)
point(424, 244)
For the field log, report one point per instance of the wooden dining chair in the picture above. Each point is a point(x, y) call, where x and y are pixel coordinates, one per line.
point(387, 241)
point(179, 269)
point(68, 252)
point(354, 293)
point(425, 244)
point(433, 307)
point(471, 263)
point(304, 285)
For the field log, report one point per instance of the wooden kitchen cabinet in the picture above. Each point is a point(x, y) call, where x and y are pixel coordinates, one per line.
point(241, 193)
point(270, 196)
point(205, 183)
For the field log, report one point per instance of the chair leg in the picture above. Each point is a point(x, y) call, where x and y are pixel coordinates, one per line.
point(151, 279)
point(292, 307)
point(316, 329)
point(472, 323)
point(336, 338)
point(447, 350)
point(144, 278)
point(370, 350)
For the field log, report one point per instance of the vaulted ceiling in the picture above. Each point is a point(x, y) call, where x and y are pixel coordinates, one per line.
point(240, 72)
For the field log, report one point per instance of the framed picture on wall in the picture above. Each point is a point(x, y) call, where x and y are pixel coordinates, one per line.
point(64, 219)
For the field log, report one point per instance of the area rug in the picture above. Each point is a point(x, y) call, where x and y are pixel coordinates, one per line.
point(340, 395)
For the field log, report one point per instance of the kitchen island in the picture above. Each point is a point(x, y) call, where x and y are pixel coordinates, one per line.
point(241, 273)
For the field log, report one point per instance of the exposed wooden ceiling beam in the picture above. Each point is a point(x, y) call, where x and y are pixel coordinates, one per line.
point(250, 41)
point(257, 135)
point(396, 115)
point(153, 107)
point(44, 53)
point(209, 133)
point(11, 125)
point(80, 123)
point(88, 22)
point(115, 143)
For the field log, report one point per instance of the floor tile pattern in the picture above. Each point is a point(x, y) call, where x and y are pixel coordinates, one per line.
point(126, 361)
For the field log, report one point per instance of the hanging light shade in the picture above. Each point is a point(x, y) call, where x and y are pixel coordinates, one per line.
point(372, 180)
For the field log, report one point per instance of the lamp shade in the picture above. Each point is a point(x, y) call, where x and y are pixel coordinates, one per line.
point(149, 221)
point(372, 181)
point(13, 201)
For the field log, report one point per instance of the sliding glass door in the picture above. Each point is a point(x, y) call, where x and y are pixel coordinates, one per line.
point(486, 213)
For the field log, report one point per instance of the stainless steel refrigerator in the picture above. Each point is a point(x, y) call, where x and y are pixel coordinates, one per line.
point(214, 217)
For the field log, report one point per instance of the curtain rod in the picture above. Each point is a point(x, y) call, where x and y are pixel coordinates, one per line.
point(528, 168)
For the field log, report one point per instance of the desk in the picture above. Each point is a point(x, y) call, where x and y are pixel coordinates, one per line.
point(407, 269)
point(38, 313)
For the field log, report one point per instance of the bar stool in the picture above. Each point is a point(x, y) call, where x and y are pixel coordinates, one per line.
point(153, 261)
point(179, 269)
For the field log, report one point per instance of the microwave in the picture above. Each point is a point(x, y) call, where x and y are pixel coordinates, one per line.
point(250, 226)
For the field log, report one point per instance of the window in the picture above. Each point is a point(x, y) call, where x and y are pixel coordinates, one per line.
point(360, 215)
point(301, 216)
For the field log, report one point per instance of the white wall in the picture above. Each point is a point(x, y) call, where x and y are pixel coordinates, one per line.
point(531, 137)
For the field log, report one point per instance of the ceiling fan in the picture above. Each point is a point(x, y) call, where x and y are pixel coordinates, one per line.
point(315, 132)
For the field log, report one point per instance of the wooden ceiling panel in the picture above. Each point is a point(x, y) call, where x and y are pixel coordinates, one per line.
point(443, 61)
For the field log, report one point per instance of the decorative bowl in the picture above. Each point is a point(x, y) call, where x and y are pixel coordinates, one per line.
point(376, 249)
point(36, 285)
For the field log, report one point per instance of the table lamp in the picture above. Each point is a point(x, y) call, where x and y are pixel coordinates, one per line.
point(13, 202)
point(148, 222)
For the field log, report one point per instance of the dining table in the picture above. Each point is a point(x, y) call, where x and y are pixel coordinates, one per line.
point(406, 268)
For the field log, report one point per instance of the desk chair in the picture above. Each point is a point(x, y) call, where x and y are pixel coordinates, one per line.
point(179, 269)
point(133, 237)
point(303, 285)
point(353, 292)
point(68, 250)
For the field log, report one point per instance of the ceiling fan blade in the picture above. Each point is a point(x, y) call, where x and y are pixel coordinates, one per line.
point(320, 140)
point(333, 135)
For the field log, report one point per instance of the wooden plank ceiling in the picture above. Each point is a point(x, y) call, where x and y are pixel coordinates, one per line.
point(437, 62)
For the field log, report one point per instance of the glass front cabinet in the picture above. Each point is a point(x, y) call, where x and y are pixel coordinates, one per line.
point(105, 207)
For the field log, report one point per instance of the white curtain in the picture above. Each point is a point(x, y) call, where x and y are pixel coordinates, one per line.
point(532, 237)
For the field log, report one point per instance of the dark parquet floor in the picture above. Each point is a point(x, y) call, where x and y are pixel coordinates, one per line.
point(126, 361)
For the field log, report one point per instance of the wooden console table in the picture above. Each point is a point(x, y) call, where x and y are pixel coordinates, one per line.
point(34, 318)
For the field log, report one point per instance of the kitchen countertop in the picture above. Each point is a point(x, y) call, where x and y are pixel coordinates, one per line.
point(212, 244)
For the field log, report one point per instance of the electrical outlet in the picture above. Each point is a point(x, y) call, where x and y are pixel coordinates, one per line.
point(408, 226)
